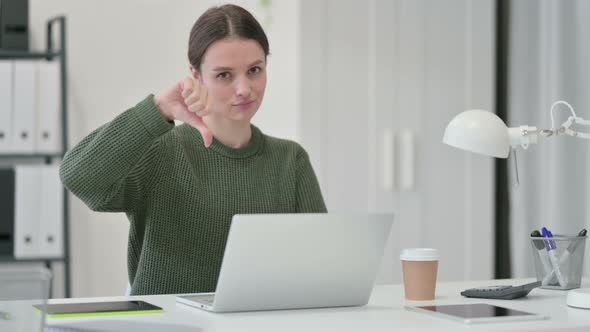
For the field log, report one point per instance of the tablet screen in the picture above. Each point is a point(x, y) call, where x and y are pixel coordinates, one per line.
point(93, 308)
point(476, 310)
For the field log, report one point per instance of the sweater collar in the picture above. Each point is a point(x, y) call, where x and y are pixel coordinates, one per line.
point(256, 142)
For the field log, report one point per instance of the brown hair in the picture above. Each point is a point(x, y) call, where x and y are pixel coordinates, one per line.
point(221, 22)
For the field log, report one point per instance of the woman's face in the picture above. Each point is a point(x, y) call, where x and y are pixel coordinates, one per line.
point(234, 72)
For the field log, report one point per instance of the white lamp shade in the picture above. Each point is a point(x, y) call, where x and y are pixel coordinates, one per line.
point(478, 131)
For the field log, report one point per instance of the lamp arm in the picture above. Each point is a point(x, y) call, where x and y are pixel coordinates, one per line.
point(565, 128)
point(523, 136)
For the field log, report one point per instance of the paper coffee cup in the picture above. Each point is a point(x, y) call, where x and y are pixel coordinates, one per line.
point(419, 267)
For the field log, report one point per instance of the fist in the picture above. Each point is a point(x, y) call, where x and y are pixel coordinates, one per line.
point(186, 101)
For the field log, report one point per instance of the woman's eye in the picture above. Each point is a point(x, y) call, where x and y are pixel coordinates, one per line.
point(255, 70)
point(224, 75)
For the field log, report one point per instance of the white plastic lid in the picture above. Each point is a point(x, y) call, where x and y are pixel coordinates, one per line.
point(579, 298)
point(419, 254)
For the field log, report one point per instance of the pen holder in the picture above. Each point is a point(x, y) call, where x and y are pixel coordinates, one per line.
point(558, 260)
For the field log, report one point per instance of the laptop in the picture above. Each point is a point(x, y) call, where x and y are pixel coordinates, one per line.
point(296, 261)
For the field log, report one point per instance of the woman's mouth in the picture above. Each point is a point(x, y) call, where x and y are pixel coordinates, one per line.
point(246, 104)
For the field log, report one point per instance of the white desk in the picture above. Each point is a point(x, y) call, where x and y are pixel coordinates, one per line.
point(384, 312)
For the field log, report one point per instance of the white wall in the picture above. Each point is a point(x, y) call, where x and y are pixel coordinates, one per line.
point(376, 71)
point(118, 52)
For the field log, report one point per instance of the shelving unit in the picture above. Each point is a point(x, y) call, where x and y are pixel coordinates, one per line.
point(50, 53)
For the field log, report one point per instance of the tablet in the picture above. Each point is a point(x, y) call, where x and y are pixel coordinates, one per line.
point(476, 313)
point(98, 309)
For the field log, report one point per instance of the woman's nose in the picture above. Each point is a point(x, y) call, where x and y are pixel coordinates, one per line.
point(243, 88)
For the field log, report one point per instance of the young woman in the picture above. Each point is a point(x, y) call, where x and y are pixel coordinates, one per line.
point(180, 186)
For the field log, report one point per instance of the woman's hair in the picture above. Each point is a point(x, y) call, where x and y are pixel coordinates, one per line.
point(221, 22)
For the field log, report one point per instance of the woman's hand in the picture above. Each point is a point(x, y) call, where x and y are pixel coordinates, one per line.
point(188, 102)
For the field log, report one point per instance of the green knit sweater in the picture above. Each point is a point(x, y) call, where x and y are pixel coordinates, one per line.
point(180, 196)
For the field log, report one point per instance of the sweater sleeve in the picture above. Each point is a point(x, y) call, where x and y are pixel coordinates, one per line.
point(111, 168)
point(309, 194)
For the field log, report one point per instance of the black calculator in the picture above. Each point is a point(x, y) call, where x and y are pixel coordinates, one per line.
point(501, 292)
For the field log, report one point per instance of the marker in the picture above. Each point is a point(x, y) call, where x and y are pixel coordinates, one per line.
point(574, 244)
point(551, 246)
point(549, 275)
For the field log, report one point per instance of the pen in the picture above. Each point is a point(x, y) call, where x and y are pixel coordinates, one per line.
point(544, 258)
point(566, 254)
point(550, 246)
point(572, 247)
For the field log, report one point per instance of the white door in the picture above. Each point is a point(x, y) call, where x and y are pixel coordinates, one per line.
point(379, 82)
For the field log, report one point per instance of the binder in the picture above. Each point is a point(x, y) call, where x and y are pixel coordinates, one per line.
point(6, 212)
point(6, 93)
point(26, 211)
point(48, 138)
point(51, 213)
point(24, 109)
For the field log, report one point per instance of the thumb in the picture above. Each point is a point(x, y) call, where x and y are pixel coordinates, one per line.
point(196, 122)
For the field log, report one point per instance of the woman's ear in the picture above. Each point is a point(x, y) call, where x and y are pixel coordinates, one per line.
point(194, 72)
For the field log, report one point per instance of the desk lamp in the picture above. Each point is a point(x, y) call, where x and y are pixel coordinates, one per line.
point(485, 133)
